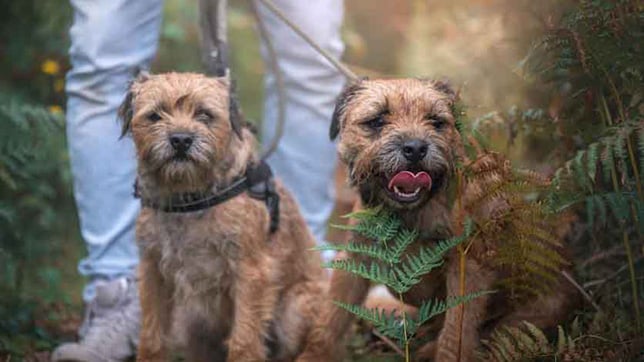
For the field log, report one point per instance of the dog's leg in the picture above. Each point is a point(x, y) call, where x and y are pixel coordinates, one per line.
point(300, 307)
point(205, 344)
point(459, 337)
point(156, 308)
point(325, 341)
point(325, 338)
point(255, 303)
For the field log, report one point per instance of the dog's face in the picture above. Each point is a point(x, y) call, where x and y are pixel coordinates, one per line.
point(398, 138)
point(181, 128)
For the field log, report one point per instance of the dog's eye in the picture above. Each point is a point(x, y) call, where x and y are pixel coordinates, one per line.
point(376, 123)
point(204, 116)
point(154, 117)
point(436, 121)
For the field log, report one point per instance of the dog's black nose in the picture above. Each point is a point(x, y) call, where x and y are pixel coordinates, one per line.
point(414, 150)
point(181, 142)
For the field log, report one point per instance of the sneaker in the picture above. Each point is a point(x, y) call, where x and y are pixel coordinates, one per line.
point(110, 330)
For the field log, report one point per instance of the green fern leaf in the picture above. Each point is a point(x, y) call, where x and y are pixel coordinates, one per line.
point(401, 242)
point(373, 251)
point(386, 323)
point(607, 159)
point(374, 272)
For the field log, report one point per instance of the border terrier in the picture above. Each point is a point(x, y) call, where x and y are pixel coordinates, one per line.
point(221, 282)
point(400, 142)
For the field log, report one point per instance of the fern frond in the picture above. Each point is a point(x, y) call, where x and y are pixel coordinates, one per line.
point(373, 272)
point(523, 343)
point(373, 251)
point(388, 324)
point(431, 309)
point(401, 242)
point(374, 224)
point(410, 271)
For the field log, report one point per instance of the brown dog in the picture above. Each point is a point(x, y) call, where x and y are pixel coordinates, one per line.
point(218, 279)
point(399, 141)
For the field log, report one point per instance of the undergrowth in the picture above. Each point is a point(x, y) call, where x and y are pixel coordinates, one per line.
point(586, 118)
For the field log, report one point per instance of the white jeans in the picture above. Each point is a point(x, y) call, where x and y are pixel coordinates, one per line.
point(112, 38)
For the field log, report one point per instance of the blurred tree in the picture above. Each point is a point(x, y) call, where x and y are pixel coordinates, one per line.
point(38, 233)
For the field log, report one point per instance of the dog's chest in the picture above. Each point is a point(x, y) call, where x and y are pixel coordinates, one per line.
point(196, 255)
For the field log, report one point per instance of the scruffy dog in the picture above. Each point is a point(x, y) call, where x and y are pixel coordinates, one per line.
point(399, 141)
point(225, 282)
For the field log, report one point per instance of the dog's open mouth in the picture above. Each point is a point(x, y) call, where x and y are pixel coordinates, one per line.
point(407, 186)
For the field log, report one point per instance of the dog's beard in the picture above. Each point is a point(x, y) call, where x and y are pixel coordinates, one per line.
point(373, 175)
point(191, 171)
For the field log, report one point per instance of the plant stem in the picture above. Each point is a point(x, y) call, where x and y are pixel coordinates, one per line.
point(405, 339)
point(631, 156)
point(631, 269)
point(629, 257)
point(461, 266)
point(622, 116)
point(461, 308)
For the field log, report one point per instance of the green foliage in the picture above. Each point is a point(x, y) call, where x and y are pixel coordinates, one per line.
point(585, 118)
point(594, 55)
point(612, 191)
point(37, 221)
point(391, 325)
point(390, 241)
point(579, 342)
point(39, 241)
point(591, 54)
point(32, 33)
point(34, 186)
point(384, 263)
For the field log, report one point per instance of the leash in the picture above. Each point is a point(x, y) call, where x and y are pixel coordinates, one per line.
point(279, 81)
point(214, 45)
point(258, 182)
point(350, 75)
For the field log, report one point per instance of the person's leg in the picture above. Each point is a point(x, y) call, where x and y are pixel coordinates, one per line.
point(110, 40)
point(305, 159)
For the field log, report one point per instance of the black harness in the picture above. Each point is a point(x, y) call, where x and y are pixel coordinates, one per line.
point(258, 181)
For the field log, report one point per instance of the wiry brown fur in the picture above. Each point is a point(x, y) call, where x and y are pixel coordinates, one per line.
point(410, 108)
point(214, 282)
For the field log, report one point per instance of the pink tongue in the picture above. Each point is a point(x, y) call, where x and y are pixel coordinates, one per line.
point(409, 182)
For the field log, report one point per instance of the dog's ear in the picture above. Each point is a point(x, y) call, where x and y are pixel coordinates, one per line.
point(341, 104)
point(446, 88)
point(126, 110)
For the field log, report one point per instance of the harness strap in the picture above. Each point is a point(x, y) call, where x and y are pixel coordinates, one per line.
point(258, 182)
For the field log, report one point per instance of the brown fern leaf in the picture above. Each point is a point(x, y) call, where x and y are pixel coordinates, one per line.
point(515, 234)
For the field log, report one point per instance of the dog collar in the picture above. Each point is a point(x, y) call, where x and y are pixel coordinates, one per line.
point(258, 181)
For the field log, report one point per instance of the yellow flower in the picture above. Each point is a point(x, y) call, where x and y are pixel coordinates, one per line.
point(55, 109)
point(59, 85)
point(50, 67)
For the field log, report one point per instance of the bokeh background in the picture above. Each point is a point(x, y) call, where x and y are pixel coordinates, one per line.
point(543, 80)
